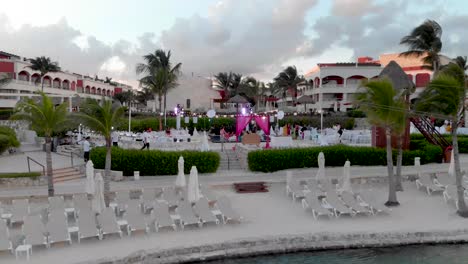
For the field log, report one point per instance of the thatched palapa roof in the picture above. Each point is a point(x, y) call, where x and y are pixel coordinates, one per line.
point(397, 76)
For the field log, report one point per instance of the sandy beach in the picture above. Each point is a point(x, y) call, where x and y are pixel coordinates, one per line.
point(266, 215)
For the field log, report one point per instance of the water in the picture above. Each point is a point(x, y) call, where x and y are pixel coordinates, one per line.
point(427, 254)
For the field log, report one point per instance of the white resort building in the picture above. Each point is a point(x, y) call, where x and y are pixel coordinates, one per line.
point(62, 86)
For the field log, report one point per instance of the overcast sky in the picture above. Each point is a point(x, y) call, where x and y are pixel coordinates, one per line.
point(252, 37)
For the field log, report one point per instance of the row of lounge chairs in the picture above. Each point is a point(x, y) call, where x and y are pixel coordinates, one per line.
point(323, 200)
point(442, 184)
point(144, 214)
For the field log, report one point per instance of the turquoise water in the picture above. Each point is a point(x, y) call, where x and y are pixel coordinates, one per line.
point(437, 254)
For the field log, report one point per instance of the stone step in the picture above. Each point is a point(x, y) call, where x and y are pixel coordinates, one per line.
point(66, 174)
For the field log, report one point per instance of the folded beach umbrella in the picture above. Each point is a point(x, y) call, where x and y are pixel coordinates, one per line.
point(98, 203)
point(346, 177)
point(193, 192)
point(180, 180)
point(451, 170)
point(320, 176)
point(90, 177)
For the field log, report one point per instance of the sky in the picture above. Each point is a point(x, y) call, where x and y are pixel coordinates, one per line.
point(253, 37)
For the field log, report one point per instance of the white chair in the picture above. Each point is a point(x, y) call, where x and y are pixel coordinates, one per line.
point(5, 243)
point(227, 212)
point(108, 223)
point(312, 202)
point(202, 209)
point(187, 216)
point(57, 228)
point(161, 217)
point(34, 231)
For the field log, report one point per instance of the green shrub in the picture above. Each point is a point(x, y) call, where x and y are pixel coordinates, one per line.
point(356, 114)
point(20, 174)
point(7, 139)
point(418, 140)
point(274, 160)
point(155, 162)
point(204, 123)
point(314, 121)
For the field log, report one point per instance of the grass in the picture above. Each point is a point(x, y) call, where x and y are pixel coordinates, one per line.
point(20, 175)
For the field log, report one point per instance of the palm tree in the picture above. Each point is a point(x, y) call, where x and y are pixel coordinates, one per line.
point(44, 118)
point(384, 108)
point(159, 62)
point(43, 65)
point(101, 117)
point(144, 95)
point(223, 82)
point(446, 95)
point(236, 83)
point(4, 80)
point(425, 40)
point(253, 89)
point(288, 80)
point(461, 62)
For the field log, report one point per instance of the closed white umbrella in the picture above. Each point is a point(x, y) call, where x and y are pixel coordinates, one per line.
point(320, 176)
point(98, 203)
point(346, 177)
point(204, 145)
point(451, 170)
point(90, 177)
point(180, 180)
point(417, 165)
point(193, 192)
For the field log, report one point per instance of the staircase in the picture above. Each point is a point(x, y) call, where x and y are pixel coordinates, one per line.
point(67, 174)
point(430, 133)
point(229, 160)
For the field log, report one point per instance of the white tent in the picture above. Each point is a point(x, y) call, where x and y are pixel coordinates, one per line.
point(321, 171)
point(193, 192)
point(90, 177)
point(180, 180)
point(98, 203)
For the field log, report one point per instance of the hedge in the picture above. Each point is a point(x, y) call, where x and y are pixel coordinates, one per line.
point(417, 140)
point(274, 160)
point(314, 121)
point(155, 162)
point(203, 123)
point(20, 175)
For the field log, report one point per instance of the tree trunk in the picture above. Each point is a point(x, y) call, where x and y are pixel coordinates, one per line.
point(107, 172)
point(50, 179)
point(160, 117)
point(165, 121)
point(392, 198)
point(398, 185)
point(462, 210)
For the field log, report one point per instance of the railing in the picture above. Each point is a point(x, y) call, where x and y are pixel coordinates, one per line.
point(35, 161)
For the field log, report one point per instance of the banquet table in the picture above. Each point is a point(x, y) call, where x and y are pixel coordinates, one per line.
point(281, 142)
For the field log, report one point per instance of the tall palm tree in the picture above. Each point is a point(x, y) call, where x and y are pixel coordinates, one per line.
point(425, 40)
point(44, 118)
point(43, 65)
point(236, 83)
point(446, 95)
point(253, 89)
point(160, 62)
point(101, 117)
point(288, 80)
point(384, 108)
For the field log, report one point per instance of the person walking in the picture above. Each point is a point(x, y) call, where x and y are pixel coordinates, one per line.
point(86, 148)
point(145, 140)
point(115, 139)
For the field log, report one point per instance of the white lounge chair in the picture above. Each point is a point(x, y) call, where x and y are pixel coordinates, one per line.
point(19, 210)
point(148, 196)
point(202, 209)
point(87, 225)
point(56, 203)
point(208, 194)
point(294, 189)
point(349, 199)
point(366, 200)
point(34, 231)
point(227, 212)
point(81, 203)
point(108, 223)
point(170, 197)
point(311, 202)
point(338, 207)
point(135, 219)
point(57, 228)
point(428, 184)
point(187, 216)
point(121, 199)
point(5, 243)
point(161, 217)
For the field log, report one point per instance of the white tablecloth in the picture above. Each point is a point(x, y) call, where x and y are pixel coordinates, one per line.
point(281, 142)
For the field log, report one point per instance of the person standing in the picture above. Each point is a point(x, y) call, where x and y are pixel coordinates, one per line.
point(145, 140)
point(86, 148)
point(115, 139)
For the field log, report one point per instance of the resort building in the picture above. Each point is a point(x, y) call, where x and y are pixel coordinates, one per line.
point(63, 86)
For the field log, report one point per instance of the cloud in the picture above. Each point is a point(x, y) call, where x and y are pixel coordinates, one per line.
point(257, 37)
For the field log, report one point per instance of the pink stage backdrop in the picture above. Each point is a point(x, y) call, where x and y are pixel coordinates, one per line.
point(262, 121)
